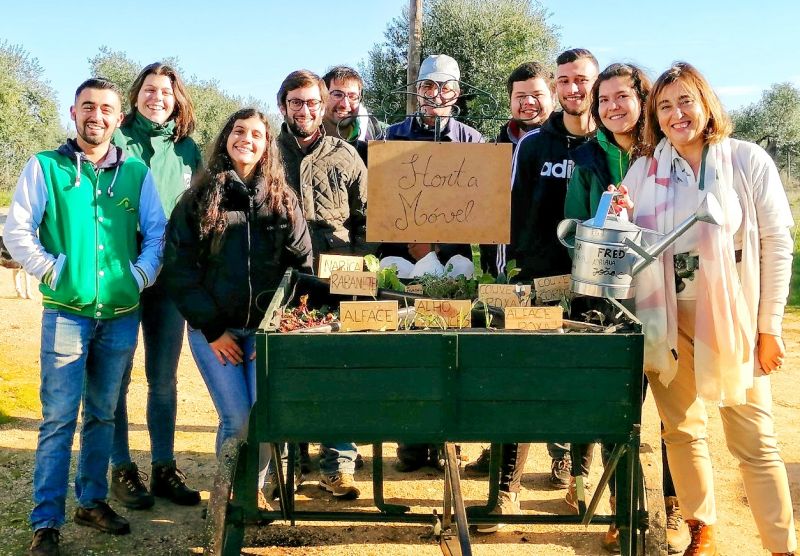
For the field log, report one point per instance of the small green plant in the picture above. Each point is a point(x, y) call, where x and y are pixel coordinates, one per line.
point(387, 277)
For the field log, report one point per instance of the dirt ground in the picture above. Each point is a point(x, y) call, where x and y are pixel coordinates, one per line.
point(168, 529)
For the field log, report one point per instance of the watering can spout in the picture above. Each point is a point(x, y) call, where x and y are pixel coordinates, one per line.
point(709, 211)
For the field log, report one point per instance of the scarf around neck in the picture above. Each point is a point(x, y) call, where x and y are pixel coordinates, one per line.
point(725, 323)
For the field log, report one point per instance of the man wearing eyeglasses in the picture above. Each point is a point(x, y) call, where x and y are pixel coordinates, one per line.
point(438, 88)
point(330, 181)
point(345, 115)
point(327, 174)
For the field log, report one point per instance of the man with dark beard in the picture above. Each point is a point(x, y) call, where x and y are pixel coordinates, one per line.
point(73, 224)
point(330, 180)
point(541, 170)
point(327, 174)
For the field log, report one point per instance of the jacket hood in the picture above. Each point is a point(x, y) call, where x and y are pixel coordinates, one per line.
point(150, 128)
point(239, 192)
point(113, 159)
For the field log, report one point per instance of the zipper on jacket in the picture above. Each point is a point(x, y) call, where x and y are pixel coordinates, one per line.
point(249, 281)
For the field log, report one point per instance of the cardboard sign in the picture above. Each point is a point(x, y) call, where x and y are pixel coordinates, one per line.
point(552, 288)
point(346, 282)
point(329, 263)
point(505, 295)
point(534, 318)
point(426, 192)
point(368, 315)
point(414, 288)
point(438, 313)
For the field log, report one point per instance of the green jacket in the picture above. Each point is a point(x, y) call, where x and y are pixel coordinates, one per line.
point(73, 225)
point(598, 164)
point(173, 164)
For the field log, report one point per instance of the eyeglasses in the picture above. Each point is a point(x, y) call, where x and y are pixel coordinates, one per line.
point(297, 104)
point(339, 96)
point(430, 89)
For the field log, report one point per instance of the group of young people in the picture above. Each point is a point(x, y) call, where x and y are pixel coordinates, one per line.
point(95, 220)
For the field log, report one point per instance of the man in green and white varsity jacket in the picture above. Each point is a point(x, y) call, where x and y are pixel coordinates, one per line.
point(72, 224)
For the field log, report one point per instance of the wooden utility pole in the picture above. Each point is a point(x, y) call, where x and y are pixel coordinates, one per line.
point(414, 46)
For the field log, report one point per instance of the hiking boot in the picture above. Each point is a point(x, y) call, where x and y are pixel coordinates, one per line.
point(272, 489)
point(561, 472)
point(341, 485)
point(168, 482)
point(102, 518)
point(702, 542)
point(127, 486)
point(480, 467)
point(507, 504)
point(677, 531)
point(610, 541)
point(45, 542)
point(407, 466)
point(572, 493)
point(305, 458)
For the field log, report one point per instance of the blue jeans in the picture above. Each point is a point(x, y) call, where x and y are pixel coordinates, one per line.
point(233, 391)
point(232, 388)
point(337, 458)
point(162, 330)
point(81, 359)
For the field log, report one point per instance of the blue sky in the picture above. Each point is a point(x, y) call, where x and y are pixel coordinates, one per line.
point(249, 45)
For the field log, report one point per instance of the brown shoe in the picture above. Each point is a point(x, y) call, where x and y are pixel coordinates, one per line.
point(702, 539)
point(45, 542)
point(102, 518)
point(610, 541)
point(677, 532)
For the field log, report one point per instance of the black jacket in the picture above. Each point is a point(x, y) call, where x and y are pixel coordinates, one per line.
point(542, 167)
point(227, 280)
point(489, 251)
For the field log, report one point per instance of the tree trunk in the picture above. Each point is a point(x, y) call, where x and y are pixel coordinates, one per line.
point(414, 46)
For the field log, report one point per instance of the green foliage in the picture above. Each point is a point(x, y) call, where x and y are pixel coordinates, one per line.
point(29, 120)
point(488, 38)
point(774, 122)
point(387, 277)
point(212, 104)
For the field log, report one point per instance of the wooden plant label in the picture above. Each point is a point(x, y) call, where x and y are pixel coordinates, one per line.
point(534, 318)
point(348, 282)
point(438, 313)
point(505, 295)
point(551, 288)
point(414, 288)
point(368, 315)
point(427, 192)
point(329, 263)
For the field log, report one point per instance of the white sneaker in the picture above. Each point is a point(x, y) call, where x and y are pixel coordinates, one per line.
point(507, 504)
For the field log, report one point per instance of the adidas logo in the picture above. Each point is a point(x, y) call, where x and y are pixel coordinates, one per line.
point(561, 169)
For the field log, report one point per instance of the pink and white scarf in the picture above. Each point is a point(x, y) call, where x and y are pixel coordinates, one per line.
point(725, 325)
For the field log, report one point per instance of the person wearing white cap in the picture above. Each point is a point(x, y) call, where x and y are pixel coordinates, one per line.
point(438, 87)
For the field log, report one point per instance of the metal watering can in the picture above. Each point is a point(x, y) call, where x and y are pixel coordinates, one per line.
point(609, 252)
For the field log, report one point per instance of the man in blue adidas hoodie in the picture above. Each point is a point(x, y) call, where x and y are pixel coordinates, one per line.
point(542, 167)
point(72, 224)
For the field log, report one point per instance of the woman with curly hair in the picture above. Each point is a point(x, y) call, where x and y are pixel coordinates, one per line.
point(229, 241)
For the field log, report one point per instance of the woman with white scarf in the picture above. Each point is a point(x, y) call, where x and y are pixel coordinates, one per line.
point(712, 305)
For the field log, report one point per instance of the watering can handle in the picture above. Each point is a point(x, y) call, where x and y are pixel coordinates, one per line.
point(603, 207)
point(566, 232)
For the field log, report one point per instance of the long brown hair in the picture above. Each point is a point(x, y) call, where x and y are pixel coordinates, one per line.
point(641, 85)
point(183, 114)
point(719, 124)
point(208, 188)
